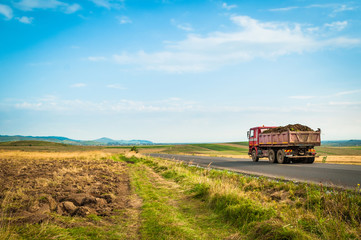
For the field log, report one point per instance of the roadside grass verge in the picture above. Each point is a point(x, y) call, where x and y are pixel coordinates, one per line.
point(260, 208)
point(170, 213)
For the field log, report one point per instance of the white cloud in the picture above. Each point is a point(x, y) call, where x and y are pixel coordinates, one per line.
point(348, 92)
point(171, 105)
point(116, 86)
point(30, 5)
point(254, 39)
point(72, 8)
point(345, 103)
point(109, 3)
point(123, 19)
point(183, 26)
point(26, 20)
point(283, 9)
point(6, 11)
point(97, 59)
point(124, 105)
point(186, 27)
point(342, 8)
point(337, 26)
point(334, 7)
point(228, 7)
point(78, 85)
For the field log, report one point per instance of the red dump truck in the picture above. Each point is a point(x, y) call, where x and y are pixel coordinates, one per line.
point(283, 147)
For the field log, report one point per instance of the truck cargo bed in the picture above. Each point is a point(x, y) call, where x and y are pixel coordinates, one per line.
point(290, 138)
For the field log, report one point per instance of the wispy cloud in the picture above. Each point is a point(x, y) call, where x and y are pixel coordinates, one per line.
point(109, 4)
point(116, 86)
point(169, 105)
point(123, 19)
point(6, 11)
point(334, 7)
point(96, 58)
point(26, 20)
point(348, 92)
point(72, 8)
point(283, 9)
point(124, 105)
point(78, 85)
point(30, 5)
point(333, 95)
point(345, 103)
point(255, 39)
point(183, 26)
point(227, 6)
point(337, 26)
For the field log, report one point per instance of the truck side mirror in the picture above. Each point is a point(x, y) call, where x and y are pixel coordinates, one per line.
point(248, 134)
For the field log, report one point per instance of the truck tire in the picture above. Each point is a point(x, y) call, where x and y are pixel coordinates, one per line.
point(281, 157)
point(254, 156)
point(271, 156)
point(310, 160)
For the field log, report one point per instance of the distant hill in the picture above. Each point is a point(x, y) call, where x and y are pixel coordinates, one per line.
point(98, 142)
point(342, 143)
point(31, 143)
point(105, 140)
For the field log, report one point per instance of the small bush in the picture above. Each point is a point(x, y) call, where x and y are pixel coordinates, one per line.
point(134, 149)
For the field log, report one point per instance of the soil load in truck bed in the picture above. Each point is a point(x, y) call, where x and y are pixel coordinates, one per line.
point(289, 127)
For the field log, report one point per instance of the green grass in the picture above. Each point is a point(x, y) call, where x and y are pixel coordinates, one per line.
point(241, 143)
point(141, 146)
point(32, 143)
point(218, 147)
point(350, 151)
point(259, 208)
point(52, 231)
point(210, 149)
point(168, 213)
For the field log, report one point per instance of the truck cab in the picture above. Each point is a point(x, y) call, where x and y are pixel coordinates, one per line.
point(253, 137)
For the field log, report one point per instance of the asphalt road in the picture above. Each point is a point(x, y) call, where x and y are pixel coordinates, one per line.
point(347, 176)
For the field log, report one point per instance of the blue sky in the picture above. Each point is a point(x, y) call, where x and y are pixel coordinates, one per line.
point(179, 71)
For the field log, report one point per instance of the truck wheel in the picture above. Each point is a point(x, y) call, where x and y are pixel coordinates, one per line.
point(310, 160)
point(281, 156)
point(254, 156)
point(271, 156)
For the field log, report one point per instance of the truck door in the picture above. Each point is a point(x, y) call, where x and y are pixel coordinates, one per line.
point(253, 137)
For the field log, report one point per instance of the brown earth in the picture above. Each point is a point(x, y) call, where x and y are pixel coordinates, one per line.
point(38, 189)
point(289, 127)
